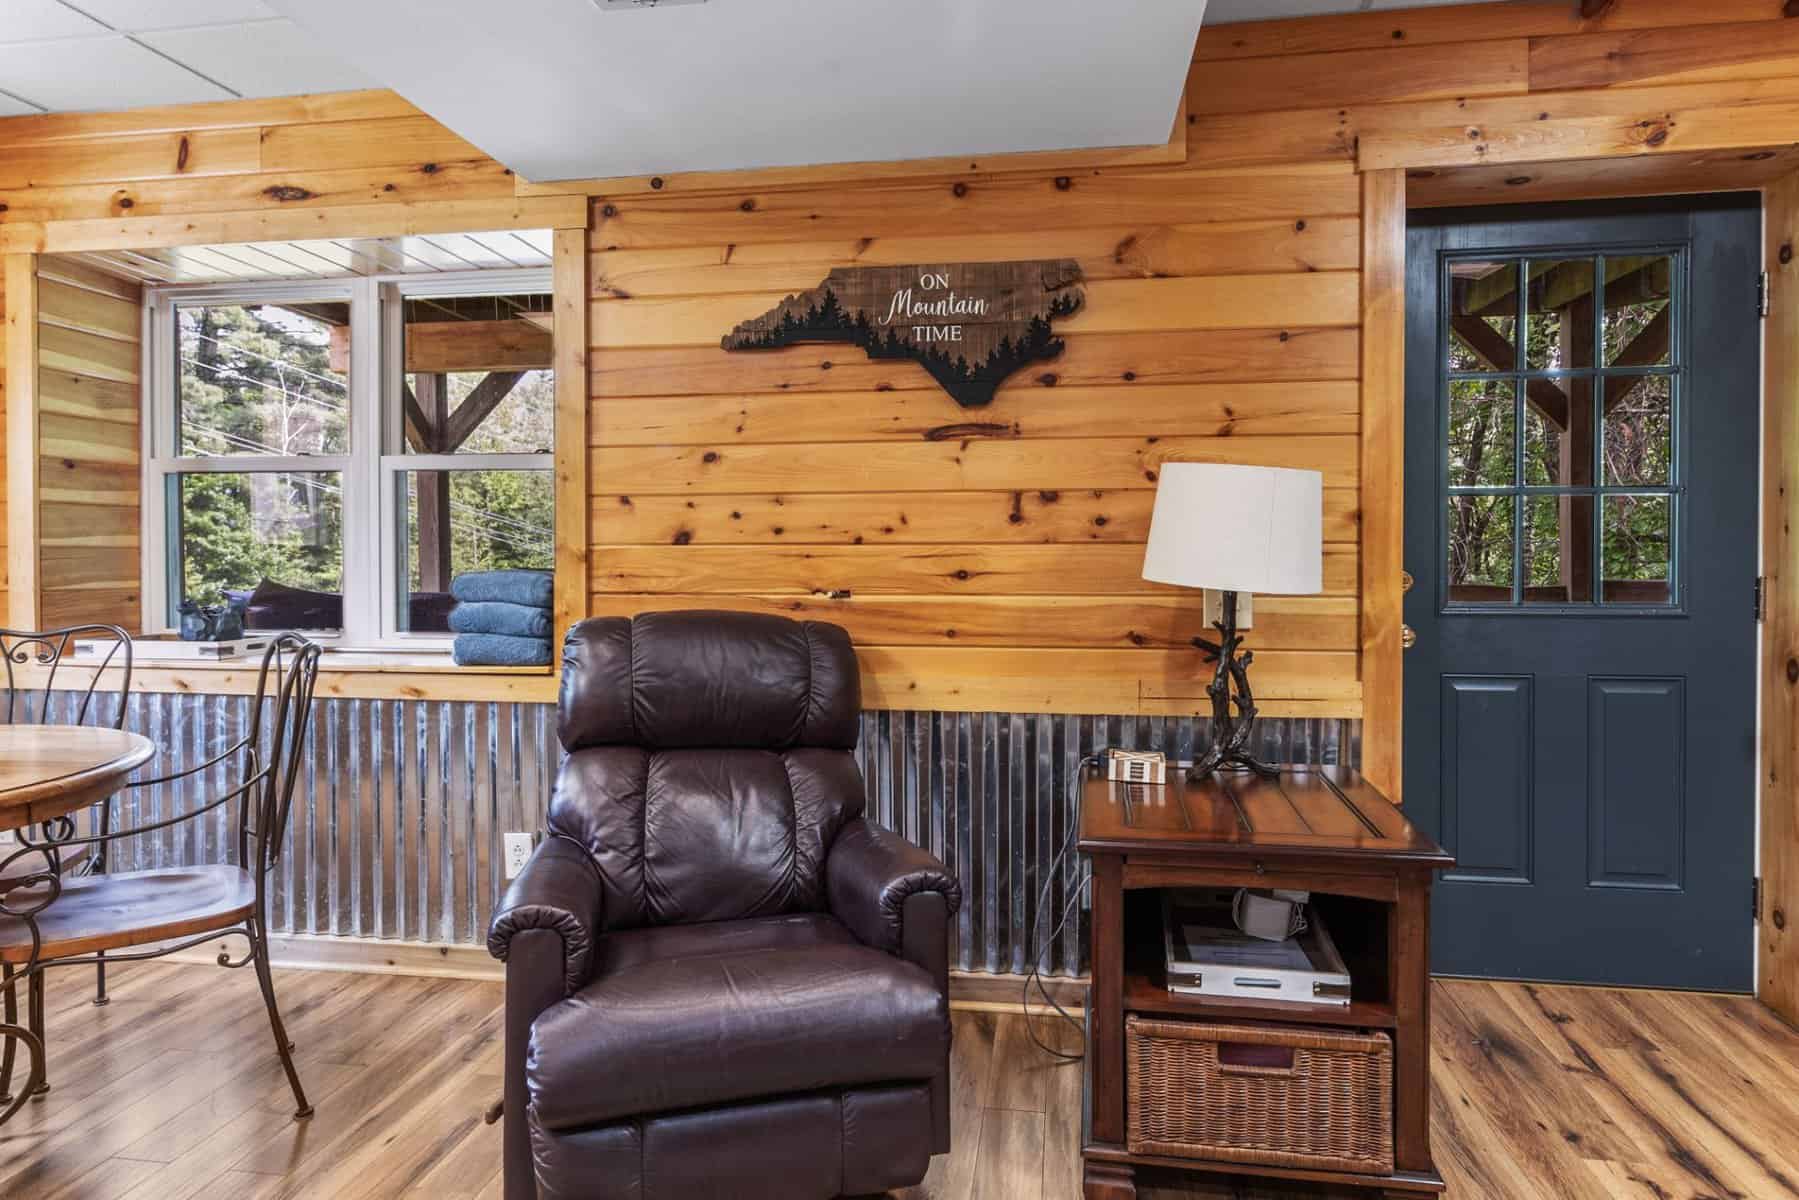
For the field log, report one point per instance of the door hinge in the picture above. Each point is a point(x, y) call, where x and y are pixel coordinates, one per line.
point(1761, 598)
point(1764, 295)
point(1755, 900)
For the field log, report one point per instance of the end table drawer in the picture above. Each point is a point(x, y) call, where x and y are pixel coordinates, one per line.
point(1272, 1095)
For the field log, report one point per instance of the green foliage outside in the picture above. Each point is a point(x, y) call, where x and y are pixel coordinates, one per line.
point(257, 379)
point(1484, 449)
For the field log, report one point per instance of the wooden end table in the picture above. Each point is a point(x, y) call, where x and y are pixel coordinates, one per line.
point(1317, 829)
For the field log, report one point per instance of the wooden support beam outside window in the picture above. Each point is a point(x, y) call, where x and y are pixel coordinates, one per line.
point(1492, 348)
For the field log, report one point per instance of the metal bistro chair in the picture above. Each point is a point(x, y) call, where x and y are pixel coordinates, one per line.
point(48, 921)
point(31, 701)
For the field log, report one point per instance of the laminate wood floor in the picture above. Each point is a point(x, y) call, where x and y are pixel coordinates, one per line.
point(1542, 1093)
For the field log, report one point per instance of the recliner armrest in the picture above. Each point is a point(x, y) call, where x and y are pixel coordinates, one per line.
point(559, 890)
point(869, 874)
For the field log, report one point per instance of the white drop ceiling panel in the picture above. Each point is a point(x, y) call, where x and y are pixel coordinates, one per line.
point(31, 20)
point(98, 73)
point(260, 58)
point(135, 16)
point(1231, 12)
point(10, 107)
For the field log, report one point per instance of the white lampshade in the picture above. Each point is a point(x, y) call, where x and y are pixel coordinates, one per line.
point(1237, 529)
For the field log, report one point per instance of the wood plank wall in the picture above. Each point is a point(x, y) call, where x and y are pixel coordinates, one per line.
point(88, 447)
point(996, 566)
point(982, 558)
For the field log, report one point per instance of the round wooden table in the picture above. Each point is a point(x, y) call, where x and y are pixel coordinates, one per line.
point(47, 772)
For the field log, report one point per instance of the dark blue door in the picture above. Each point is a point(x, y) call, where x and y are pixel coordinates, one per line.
point(1582, 396)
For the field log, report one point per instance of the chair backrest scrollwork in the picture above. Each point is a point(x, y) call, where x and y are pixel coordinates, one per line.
point(36, 662)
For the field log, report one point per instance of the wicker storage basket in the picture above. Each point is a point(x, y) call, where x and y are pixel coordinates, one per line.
point(1280, 1096)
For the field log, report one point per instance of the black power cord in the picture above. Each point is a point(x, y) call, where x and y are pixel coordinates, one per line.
point(1035, 975)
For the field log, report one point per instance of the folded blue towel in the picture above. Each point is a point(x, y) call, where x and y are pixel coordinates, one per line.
point(498, 650)
point(530, 588)
point(513, 620)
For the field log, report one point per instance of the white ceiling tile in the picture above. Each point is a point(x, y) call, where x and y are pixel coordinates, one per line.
point(135, 16)
point(1387, 5)
point(260, 58)
point(29, 20)
point(1231, 12)
point(11, 107)
point(98, 73)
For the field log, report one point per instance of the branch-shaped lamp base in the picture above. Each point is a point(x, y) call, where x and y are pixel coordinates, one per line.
point(1229, 687)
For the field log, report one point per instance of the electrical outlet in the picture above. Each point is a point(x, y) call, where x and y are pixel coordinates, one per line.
point(8, 837)
point(518, 853)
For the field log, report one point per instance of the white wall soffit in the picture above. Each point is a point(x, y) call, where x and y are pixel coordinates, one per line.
point(561, 89)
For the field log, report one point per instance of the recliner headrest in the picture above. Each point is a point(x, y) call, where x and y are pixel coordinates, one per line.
point(676, 680)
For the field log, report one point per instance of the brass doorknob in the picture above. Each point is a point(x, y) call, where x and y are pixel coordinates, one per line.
point(1408, 637)
point(1405, 581)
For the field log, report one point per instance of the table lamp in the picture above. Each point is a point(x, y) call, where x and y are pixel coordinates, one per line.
point(1235, 529)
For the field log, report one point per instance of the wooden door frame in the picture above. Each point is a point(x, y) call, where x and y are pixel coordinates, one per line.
point(1383, 441)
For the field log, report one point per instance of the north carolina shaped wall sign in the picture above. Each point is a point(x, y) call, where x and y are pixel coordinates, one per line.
point(969, 324)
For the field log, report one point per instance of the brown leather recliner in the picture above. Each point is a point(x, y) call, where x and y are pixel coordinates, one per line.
point(721, 980)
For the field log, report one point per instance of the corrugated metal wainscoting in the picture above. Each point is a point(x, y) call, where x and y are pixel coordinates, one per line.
point(396, 830)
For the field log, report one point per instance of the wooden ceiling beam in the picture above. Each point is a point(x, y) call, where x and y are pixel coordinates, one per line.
point(453, 346)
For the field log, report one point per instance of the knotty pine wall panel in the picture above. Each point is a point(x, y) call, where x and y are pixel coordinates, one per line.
point(983, 558)
point(89, 512)
point(1223, 320)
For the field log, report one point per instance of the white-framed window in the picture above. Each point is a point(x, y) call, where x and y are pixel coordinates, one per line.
point(334, 452)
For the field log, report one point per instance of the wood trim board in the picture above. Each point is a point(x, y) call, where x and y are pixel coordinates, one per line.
point(1382, 475)
point(570, 267)
point(21, 440)
point(1777, 974)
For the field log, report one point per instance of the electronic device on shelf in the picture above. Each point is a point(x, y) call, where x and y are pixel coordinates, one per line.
point(1137, 766)
point(1207, 955)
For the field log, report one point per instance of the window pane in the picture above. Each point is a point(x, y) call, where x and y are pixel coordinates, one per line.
point(1480, 549)
point(1638, 533)
point(1482, 445)
point(1483, 310)
point(1637, 319)
point(1559, 329)
point(273, 539)
point(1558, 549)
point(459, 521)
point(478, 375)
point(264, 378)
point(1558, 432)
point(1637, 430)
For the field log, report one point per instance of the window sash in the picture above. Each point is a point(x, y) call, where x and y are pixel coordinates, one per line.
point(372, 588)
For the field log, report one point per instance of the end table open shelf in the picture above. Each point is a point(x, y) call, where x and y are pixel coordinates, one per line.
point(1322, 830)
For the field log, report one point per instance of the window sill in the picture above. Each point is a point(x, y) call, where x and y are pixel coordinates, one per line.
point(349, 675)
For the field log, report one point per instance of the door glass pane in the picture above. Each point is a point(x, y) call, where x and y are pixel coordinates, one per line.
point(1482, 312)
point(1637, 317)
point(460, 521)
point(263, 378)
point(272, 539)
point(1482, 418)
point(1559, 329)
point(1638, 430)
point(1638, 533)
point(1480, 549)
point(1558, 549)
point(1554, 456)
point(479, 377)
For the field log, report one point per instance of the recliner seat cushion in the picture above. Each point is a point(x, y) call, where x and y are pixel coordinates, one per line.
point(681, 1017)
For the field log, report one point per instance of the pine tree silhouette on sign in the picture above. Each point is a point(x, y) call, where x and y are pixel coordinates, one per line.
point(968, 325)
